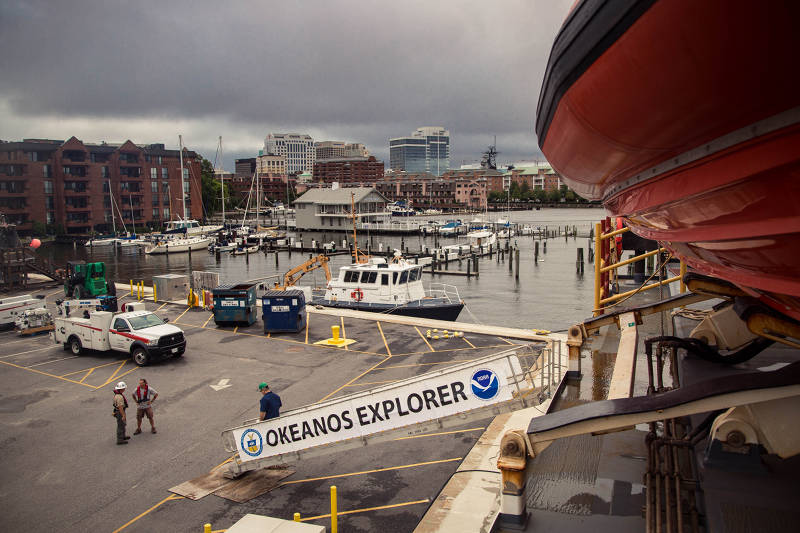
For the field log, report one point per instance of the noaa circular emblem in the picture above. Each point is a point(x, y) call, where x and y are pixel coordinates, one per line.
point(251, 442)
point(485, 384)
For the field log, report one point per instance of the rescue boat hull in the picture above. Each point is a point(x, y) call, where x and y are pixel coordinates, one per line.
point(686, 129)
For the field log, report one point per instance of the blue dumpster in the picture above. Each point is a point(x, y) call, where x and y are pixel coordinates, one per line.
point(235, 303)
point(283, 311)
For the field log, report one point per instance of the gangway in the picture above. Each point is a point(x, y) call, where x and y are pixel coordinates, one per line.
point(445, 398)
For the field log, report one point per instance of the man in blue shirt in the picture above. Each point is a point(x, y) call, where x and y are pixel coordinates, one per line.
point(270, 403)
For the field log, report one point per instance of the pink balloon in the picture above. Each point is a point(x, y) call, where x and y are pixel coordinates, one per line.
point(35, 243)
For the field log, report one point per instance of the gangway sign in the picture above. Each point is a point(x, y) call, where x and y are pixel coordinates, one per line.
point(484, 387)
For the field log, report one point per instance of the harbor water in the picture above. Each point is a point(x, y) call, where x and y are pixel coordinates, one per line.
point(549, 294)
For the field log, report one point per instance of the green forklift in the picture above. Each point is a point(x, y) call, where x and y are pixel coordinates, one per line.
point(88, 280)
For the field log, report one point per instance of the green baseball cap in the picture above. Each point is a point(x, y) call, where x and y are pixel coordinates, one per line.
point(262, 386)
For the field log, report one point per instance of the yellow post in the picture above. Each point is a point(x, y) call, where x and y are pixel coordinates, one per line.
point(335, 333)
point(155, 296)
point(191, 297)
point(131, 287)
point(597, 260)
point(683, 273)
point(204, 299)
point(296, 517)
point(141, 290)
point(207, 528)
point(334, 515)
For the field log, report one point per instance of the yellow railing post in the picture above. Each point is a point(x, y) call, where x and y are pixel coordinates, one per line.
point(155, 295)
point(598, 258)
point(207, 528)
point(191, 298)
point(683, 273)
point(334, 512)
point(296, 517)
point(131, 287)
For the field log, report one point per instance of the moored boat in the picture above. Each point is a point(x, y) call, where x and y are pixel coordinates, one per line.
point(390, 287)
point(172, 246)
point(475, 241)
point(644, 107)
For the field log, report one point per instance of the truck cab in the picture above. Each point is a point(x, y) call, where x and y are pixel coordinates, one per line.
point(142, 334)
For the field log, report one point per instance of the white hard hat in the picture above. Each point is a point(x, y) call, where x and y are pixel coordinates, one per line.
point(121, 385)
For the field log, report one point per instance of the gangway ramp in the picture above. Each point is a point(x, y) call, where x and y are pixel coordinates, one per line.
point(445, 398)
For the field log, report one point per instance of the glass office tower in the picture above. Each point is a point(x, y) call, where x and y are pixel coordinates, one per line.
point(426, 150)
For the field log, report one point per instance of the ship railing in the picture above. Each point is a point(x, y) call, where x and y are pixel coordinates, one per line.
point(608, 251)
point(444, 291)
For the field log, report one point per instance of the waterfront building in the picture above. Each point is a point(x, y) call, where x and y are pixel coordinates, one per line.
point(426, 191)
point(348, 170)
point(536, 176)
point(339, 150)
point(426, 150)
point(298, 149)
point(68, 186)
point(323, 208)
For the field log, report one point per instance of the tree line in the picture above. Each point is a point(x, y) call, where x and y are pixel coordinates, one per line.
point(524, 193)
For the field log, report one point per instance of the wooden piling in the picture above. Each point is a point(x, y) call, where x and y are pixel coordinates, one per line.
point(579, 262)
point(516, 260)
point(536, 252)
point(468, 269)
point(510, 259)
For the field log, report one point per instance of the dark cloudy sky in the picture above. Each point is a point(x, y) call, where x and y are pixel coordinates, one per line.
point(339, 70)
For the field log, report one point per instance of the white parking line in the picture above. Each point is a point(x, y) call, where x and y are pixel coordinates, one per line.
point(29, 351)
point(53, 361)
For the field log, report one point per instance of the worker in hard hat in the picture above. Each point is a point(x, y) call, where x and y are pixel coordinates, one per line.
point(270, 404)
point(120, 405)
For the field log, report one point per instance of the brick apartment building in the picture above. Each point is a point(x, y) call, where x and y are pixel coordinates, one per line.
point(426, 191)
point(65, 185)
point(537, 177)
point(348, 170)
point(272, 176)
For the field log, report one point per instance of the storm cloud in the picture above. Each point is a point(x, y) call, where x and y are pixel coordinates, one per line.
point(339, 70)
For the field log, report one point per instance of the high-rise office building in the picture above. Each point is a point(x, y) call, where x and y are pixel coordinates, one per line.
point(298, 150)
point(339, 150)
point(426, 150)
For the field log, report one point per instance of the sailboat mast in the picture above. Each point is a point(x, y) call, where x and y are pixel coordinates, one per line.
point(353, 214)
point(111, 195)
point(258, 200)
point(183, 191)
point(221, 181)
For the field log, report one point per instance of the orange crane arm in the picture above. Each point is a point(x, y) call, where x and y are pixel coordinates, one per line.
point(293, 276)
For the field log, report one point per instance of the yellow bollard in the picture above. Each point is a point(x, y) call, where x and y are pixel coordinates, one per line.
point(207, 528)
point(131, 287)
point(335, 333)
point(204, 299)
point(334, 513)
point(189, 300)
point(155, 297)
point(296, 517)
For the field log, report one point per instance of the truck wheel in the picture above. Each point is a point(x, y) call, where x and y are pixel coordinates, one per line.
point(75, 346)
point(140, 356)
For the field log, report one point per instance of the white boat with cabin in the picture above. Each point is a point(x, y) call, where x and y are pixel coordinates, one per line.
point(173, 246)
point(476, 241)
point(390, 287)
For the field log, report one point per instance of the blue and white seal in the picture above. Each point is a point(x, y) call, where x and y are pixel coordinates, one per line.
point(485, 384)
point(252, 443)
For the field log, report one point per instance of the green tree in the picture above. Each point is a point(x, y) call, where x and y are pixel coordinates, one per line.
point(39, 229)
point(497, 196)
point(539, 194)
point(210, 188)
point(563, 191)
point(554, 196)
point(570, 196)
point(515, 190)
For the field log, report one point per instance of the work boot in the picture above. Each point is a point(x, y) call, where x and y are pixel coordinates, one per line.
point(138, 430)
point(122, 442)
point(153, 430)
point(127, 437)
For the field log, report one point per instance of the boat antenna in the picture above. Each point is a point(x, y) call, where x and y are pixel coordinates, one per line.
point(353, 216)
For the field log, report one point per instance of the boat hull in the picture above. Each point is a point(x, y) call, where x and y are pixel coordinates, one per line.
point(433, 310)
point(652, 115)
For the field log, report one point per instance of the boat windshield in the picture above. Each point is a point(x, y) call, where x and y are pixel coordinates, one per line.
point(145, 321)
point(403, 277)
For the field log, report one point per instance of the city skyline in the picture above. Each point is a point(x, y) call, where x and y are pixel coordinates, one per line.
point(150, 72)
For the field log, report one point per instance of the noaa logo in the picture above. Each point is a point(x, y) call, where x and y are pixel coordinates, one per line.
point(485, 384)
point(251, 442)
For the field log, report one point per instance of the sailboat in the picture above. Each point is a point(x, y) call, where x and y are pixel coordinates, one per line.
point(188, 227)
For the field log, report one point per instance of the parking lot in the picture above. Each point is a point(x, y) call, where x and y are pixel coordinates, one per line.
point(62, 470)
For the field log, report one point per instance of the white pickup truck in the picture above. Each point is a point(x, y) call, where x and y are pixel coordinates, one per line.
point(140, 333)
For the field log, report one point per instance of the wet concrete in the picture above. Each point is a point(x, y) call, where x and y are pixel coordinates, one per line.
point(62, 470)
